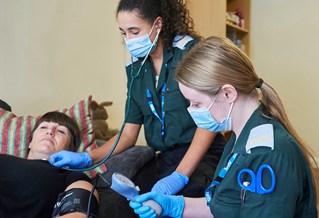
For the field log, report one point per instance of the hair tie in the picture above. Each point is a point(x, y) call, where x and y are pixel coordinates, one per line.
point(260, 83)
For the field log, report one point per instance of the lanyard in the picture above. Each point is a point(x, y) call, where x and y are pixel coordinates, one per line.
point(151, 104)
point(220, 177)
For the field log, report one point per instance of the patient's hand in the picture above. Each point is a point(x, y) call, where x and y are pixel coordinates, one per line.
point(68, 159)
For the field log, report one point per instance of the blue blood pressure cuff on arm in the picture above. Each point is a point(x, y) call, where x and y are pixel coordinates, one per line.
point(75, 200)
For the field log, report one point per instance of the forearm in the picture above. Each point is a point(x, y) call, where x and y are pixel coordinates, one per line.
point(127, 140)
point(201, 142)
point(101, 152)
point(196, 208)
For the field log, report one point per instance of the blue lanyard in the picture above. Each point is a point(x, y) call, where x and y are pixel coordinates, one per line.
point(151, 104)
point(220, 177)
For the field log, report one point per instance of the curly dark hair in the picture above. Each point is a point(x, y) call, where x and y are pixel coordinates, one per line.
point(176, 19)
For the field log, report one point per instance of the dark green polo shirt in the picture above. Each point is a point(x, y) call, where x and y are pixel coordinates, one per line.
point(179, 126)
point(293, 195)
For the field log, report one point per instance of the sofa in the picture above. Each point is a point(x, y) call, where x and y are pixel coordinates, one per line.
point(137, 163)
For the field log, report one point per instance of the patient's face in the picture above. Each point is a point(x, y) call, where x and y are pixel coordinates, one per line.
point(47, 139)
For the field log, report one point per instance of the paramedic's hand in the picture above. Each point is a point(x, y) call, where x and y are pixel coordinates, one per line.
point(172, 206)
point(171, 184)
point(68, 159)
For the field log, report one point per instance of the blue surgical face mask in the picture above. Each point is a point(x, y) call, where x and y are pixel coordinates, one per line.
point(141, 46)
point(203, 119)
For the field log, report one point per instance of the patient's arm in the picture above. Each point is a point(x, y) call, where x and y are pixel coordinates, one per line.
point(80, 184)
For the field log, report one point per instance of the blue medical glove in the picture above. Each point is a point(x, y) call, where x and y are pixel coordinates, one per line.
point(68, 159)
point(142, 211)
point(173, 206)
point(171, 184)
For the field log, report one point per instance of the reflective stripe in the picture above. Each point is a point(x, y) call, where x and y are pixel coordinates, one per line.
point(181, 41)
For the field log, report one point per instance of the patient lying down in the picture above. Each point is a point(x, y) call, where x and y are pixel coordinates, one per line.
point(32, 187)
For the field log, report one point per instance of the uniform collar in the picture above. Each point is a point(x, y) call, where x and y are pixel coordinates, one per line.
point(149, 70)
point(256, 119)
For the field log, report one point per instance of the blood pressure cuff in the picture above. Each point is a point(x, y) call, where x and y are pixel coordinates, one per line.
point(75, 200)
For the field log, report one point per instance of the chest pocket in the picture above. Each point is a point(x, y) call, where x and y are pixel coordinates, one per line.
point(174, 99)
point(139, 99)
point(145, 110)
point(230, 200)
point(249, 205)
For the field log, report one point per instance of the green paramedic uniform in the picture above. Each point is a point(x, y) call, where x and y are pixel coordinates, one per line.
point(293, 195)
point(179, 127)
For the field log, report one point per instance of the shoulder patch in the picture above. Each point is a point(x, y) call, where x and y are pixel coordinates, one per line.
point(181, 41)
point(260, 136)
point(131, 61)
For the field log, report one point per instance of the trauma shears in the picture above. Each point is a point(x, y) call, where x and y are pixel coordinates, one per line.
point(256, 184)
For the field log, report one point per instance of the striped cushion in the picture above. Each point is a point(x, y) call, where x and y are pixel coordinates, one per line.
point(15, 131)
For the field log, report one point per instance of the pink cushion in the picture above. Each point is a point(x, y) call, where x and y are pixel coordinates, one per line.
point(15, 131)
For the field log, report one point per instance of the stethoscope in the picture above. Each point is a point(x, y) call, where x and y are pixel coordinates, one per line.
point(133, 76)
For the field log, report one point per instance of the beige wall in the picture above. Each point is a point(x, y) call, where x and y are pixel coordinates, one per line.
point(54, 53)
point(285, 51)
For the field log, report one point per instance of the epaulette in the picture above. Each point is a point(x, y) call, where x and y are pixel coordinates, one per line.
point(261, 136)
point(131, 61)
point(181, 41)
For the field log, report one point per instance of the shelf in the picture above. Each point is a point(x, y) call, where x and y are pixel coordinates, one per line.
point(237, 28)
point(240, 36)
point(210, 16)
